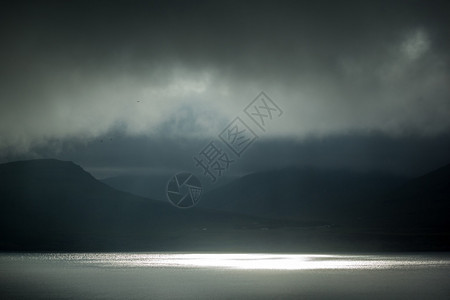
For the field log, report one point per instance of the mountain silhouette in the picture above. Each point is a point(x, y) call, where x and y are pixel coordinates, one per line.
point(303, 193)
point(147, 186)
point(52, 205)
point(422, 202)
point(152, 185)
point(56, 205)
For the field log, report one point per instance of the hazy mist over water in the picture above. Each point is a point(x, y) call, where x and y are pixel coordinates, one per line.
point(213, 275)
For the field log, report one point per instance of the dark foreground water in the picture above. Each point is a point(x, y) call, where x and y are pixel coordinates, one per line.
point(223, 276)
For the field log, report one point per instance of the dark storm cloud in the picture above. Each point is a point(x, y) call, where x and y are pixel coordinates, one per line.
point(74, 70)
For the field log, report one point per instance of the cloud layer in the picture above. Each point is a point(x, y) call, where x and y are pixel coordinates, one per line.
point(168, 69)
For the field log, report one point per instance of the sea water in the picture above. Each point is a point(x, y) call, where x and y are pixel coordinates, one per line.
point(224, 276)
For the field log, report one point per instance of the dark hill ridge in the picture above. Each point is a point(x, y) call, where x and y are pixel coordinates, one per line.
point(434, 187)
point(422, 202)
point(303, 193)
point(56, 205)
point(59, 191)
point(358, 200)
point(47, 179)
point(148, 186)
point(151, 186)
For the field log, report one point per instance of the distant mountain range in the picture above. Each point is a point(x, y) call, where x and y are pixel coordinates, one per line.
point(374, 199)
point(151, 186)
point(147, 186)
point(55, 205)
point(303, 194)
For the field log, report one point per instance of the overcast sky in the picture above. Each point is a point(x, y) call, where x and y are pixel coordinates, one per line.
point(74, 75)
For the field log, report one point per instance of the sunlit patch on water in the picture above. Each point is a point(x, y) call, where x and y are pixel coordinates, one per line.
point(224, 276)
point(250, 261)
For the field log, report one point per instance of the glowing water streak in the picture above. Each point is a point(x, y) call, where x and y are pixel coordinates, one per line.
point(256, 261)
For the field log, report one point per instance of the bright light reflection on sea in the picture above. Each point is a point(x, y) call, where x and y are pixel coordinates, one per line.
point(182, 275)
point(255, 261)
